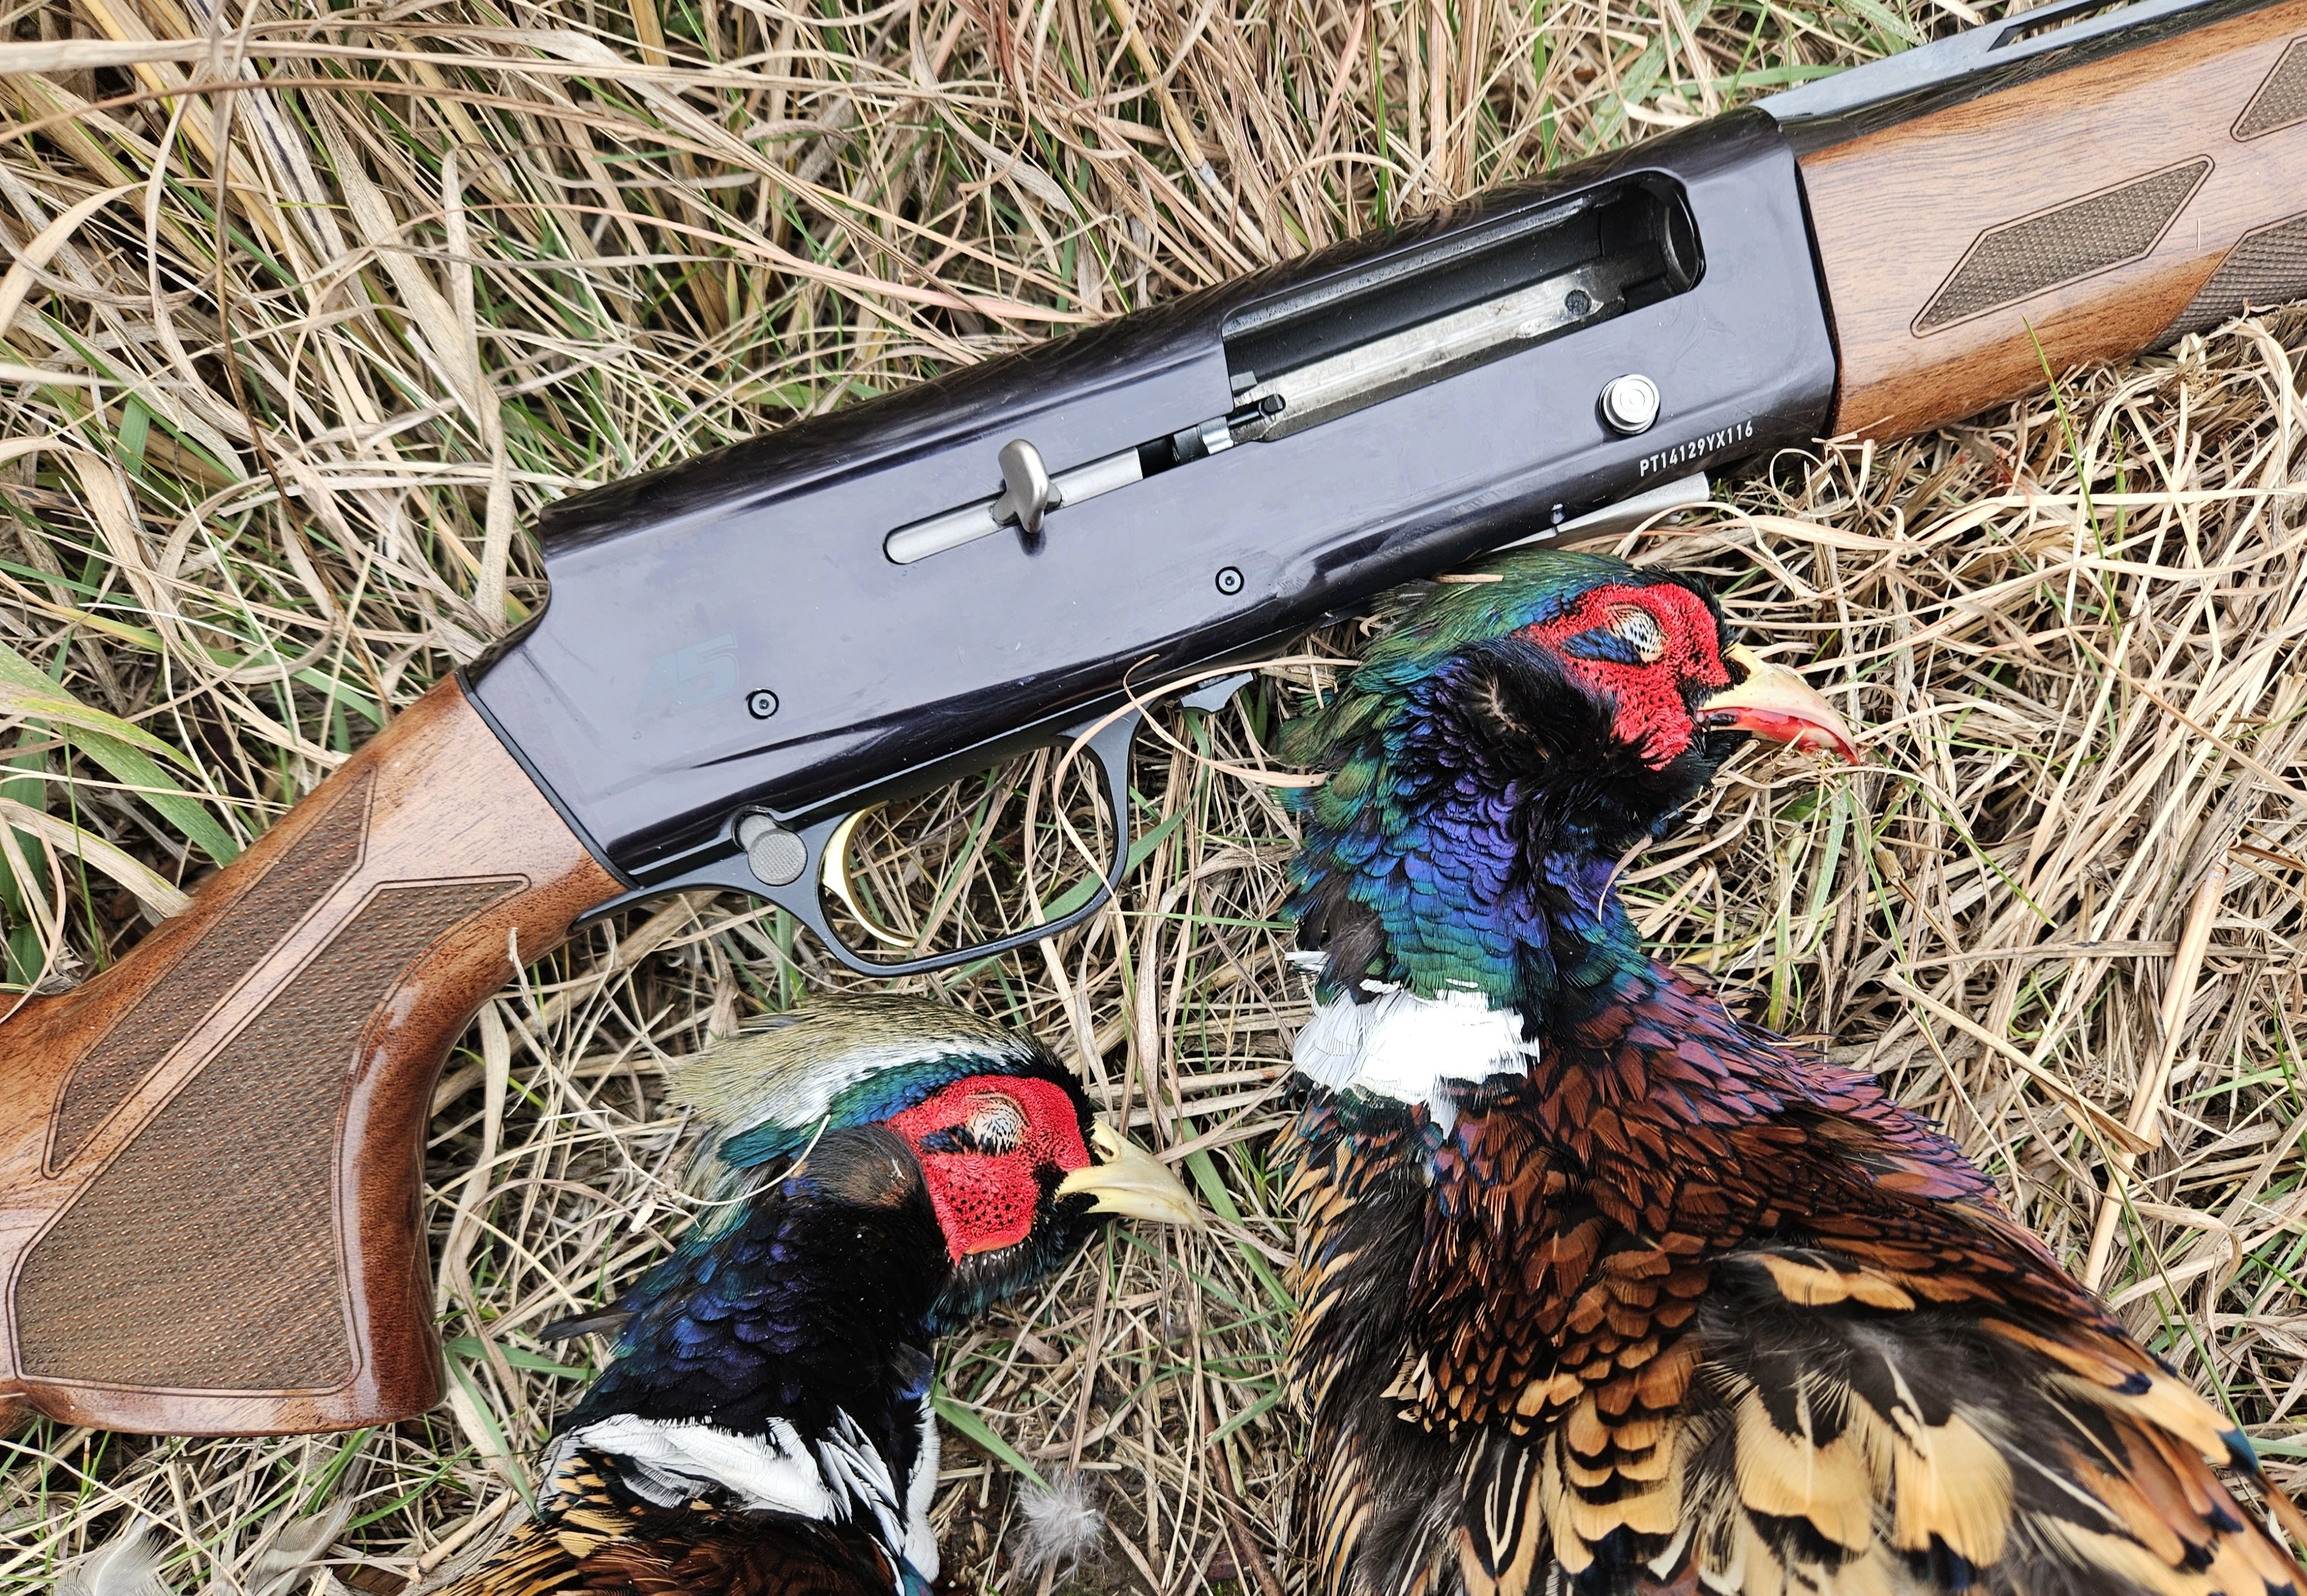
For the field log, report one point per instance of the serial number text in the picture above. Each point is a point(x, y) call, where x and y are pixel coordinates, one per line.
point(1696, 449)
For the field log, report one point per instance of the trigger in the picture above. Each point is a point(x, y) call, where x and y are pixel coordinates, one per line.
point(1213, 695)
point(834, 873)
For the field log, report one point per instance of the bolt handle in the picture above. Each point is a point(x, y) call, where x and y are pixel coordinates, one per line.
point(1026, 495)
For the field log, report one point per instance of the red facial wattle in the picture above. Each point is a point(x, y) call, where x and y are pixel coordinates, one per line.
point(986, 1200)
point(1679, 643)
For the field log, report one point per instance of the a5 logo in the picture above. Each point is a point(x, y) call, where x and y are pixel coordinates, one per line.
point(696, 674)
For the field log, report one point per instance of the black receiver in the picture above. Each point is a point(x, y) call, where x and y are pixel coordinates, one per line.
point(745, 651)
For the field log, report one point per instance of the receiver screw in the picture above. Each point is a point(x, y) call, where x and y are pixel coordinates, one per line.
point(762, 703)
point(775, 855)
point(1630, 403)
point(1230, 579)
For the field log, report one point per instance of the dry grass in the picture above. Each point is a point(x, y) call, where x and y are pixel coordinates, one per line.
point(273, 428)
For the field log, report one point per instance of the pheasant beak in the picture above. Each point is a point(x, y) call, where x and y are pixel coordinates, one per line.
point(1774, 703)
point(1130, 1181)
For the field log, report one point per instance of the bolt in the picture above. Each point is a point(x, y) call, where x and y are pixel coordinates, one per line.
point(1230, 579)
point(762, 703)
point(1577, 303)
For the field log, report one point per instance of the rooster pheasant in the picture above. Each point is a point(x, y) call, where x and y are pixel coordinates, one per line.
point(875, 1172)
point(1604, 1291)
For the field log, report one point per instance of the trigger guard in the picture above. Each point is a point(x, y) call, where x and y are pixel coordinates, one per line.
point(1109, 745)
point(802, 899)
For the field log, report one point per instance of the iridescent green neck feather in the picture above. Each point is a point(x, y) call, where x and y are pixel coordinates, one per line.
point(1479, 797)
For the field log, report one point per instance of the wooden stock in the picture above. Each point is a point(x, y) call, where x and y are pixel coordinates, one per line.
point(2083, 215)
point(210, 1155)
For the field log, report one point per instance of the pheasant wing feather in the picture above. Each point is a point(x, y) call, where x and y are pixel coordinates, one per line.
point(1795, 1347)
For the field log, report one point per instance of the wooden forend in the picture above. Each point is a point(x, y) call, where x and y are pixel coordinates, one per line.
point(210, 1155)
point(2099, 210)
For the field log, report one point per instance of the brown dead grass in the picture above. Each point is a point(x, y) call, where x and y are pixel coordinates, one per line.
point(471, 258)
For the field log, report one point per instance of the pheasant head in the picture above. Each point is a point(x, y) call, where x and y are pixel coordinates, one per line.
point(1016, 1169)
point(1493, 757)
point(874, 1172)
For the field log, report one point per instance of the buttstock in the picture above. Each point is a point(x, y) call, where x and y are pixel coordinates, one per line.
point(210, 1153)
point(2067, 214)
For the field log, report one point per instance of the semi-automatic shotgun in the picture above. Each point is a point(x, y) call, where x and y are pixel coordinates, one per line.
point(209, 1187)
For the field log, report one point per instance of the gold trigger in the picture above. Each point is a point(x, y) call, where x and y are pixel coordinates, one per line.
point(835, 874)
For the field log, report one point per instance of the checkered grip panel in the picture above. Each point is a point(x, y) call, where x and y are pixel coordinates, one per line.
point(2264, 269)
point(2021, 259)
point(2282, 99)
point(214, 964)
point(205, 1257)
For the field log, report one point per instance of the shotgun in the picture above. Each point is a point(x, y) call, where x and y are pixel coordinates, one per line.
point(745, 653)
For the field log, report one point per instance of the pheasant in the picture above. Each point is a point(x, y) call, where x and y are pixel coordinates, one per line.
point(875, 1172)
point(1602, 1289)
